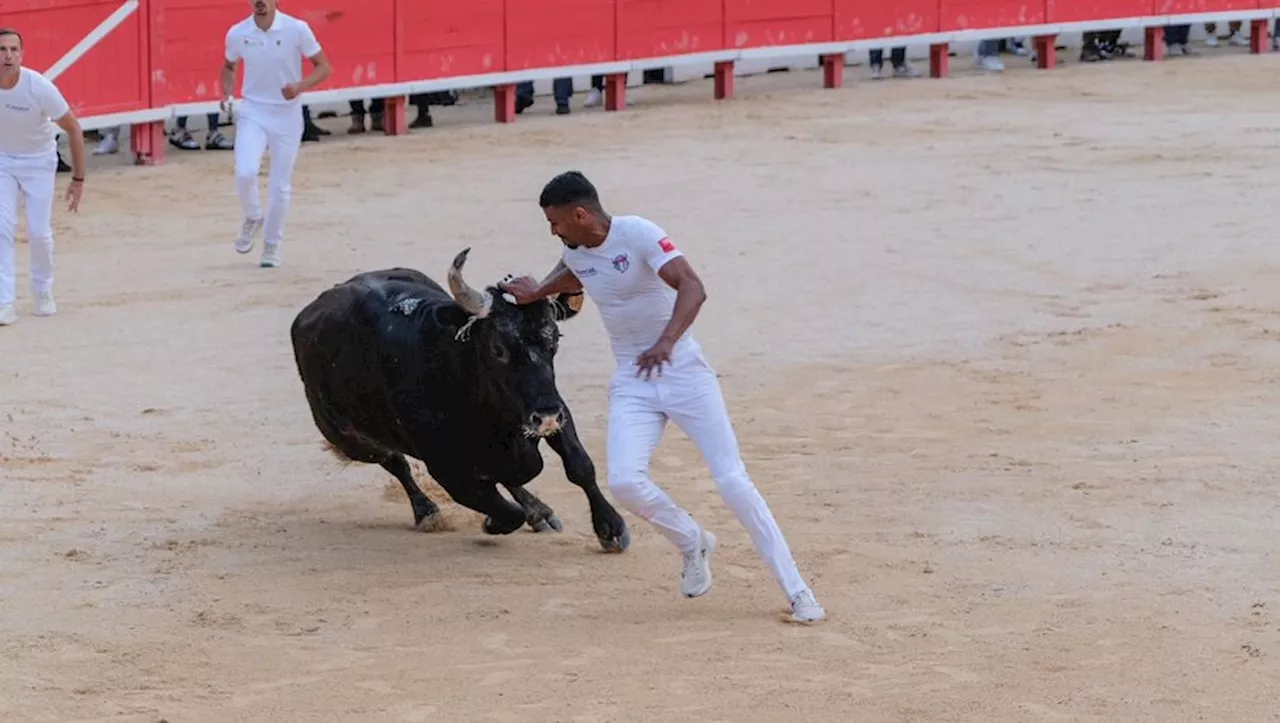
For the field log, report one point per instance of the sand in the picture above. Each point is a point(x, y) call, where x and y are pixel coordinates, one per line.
point(1001, 352)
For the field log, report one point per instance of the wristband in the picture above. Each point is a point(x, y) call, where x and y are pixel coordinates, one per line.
point(77, 180)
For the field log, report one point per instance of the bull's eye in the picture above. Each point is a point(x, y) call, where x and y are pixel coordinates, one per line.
point(499, 352)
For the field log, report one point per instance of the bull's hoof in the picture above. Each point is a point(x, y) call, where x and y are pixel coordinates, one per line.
point(434, 522)
point(550, 522)
point(494, 527)
point(619, 543)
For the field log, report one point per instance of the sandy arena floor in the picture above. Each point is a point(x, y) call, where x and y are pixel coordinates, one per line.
point(1002, 353)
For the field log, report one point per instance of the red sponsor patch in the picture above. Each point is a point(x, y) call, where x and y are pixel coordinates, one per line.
point(666, 246)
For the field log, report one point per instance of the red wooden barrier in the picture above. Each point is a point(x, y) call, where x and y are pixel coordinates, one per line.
point(162, 56)
point(113, 76)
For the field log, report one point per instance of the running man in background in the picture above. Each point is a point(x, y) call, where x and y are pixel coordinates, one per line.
point(28, 166)
point(272, 45)
point(648, 295)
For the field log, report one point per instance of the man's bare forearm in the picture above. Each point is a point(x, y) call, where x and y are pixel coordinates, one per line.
point(689, 298)
point(560, 281)
point(228, 79)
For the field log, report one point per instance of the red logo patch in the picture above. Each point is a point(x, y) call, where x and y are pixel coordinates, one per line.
point(666, 245)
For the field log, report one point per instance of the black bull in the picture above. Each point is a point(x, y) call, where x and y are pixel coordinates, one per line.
point(393, 365)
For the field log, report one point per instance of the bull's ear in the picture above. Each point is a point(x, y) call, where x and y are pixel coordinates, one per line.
point(567, 306)
point(451, 316)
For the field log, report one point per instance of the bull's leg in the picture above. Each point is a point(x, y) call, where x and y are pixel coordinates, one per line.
point(501, 517)
point(537, 513)
point(609, 526)
point(426, 515)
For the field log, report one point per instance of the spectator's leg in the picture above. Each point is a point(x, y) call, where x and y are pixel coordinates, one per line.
point(524, 95)
point(422, 101)
point(110, 142)
point(875, 59)
point(377, 115)
point(987, 53)
point(214, 140)
point(562, 88)
point(357, 116)
point(595, 96)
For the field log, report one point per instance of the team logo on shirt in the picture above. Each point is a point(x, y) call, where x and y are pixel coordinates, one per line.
point(666, 246)
point(621, 263)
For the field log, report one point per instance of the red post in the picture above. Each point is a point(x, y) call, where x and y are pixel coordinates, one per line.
point(1046, 51)
point(615, 91)
point(939, 60)
point(393, 116)
point(504, 103)
point(833, 70)
point(724, 79)
point(1153, 44)
point(147, 142)
point(1259, 35)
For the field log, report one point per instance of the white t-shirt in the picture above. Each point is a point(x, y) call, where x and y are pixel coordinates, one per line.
point(272, 58)
point(621, 277)
point(26, 114)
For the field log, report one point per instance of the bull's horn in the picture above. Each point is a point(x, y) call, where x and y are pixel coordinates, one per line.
point(475, 303)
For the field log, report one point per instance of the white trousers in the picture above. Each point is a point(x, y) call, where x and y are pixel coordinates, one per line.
point(30, 178)
point(259, 127)
point(687, 393)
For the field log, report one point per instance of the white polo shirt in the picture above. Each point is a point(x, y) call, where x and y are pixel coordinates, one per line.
point(272, 58)
point(621, 277)
point(26, 114)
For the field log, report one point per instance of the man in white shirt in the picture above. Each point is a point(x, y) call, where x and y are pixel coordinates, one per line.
point(28, 165)
point(272, 45)
point(649, 295)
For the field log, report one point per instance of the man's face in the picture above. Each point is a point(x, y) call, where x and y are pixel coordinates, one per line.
point(570, 223)
point(10, 53)
point(262, 7)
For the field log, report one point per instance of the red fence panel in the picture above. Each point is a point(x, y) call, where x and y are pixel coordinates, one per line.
point(1069, 11)
point(358, 36)
point(657, 28)
point(971, 14)
point(187, 47)
point(445, 38)
point(1179, 7)
point(113, 76)
point(863, 19)
point(757, 23)
point(547, 33)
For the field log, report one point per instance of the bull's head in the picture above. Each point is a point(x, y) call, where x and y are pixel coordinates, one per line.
point(515, 347)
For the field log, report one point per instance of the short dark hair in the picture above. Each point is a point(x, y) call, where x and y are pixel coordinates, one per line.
point(11, 31)
point(570, 188)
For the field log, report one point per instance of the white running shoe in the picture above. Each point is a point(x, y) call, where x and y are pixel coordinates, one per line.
point(805, 608)
point(270, 256)
point(8, 315)
point(696, 578)
point(45, 305)
point(244, 242)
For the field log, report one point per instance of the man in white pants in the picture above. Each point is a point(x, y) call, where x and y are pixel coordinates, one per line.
point(28, 164)
point(649, 295)
point(272, 45)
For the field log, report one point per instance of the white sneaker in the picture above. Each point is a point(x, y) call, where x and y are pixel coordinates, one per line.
point(805, 608)
point(990, 62)
point(8, 315)
point(594, 97)
point(244, 242)
point(270, 256)
point(107, 146)
point(1211, 41)
point(45, 305)
point(1238, 39)
point(696, 578)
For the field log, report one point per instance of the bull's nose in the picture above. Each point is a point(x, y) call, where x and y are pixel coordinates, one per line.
point(546, 420)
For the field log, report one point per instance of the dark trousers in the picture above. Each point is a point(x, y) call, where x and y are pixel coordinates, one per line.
point(897, 56)
point(1177, 34)
point(561, 88)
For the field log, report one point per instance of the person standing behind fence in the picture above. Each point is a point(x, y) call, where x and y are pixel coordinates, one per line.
point(28, 165)
point(272, 45)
